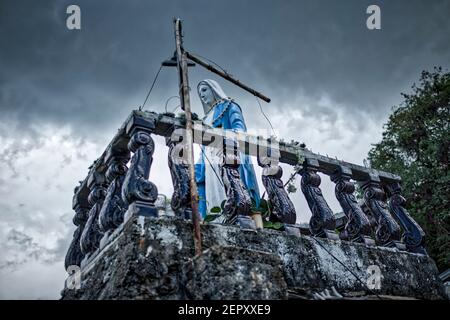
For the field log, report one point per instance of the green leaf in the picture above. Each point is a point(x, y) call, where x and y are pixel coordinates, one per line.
point(277, 225)
point(263, 204)
point(267, 224)
point(263, 208)
point(272, 225)
point(215, 210)
point(210, 217)
point(291, 188)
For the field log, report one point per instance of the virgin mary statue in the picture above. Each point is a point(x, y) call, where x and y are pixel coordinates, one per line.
point(220, 112)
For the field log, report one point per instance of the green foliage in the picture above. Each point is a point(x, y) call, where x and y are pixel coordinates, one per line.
point(272, 225)
point(215, 210)
point(265, 209)
point(291, 188)
point(213, 213)
point(210, 217)
point(416, 146)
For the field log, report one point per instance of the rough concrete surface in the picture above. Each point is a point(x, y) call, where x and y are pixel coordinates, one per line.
point(153, 258)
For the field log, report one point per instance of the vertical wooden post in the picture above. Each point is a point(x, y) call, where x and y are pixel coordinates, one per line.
point(186, 106)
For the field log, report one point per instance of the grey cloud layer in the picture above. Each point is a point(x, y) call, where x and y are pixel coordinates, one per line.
point(92, 78)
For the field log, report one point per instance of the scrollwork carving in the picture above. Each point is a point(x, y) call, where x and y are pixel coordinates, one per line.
point(74, 255)
point(179, 170)
point(113, 209)
point(413, 235)
point(387, 231)
point(357, 228)
point(322, 223)
point(283, 208)
point(90, 238)
point(238, 201)
point(136, 186)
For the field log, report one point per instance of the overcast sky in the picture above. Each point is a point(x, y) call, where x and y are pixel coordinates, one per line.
point(64, 93)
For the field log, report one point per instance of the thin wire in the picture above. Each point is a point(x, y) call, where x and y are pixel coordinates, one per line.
point(167, 101)
point(290, 178)
point(357, 278)
point(212, 167)
point(260, 107)
point(151, 88)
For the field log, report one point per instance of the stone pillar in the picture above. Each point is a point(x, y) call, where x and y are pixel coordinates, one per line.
point(322, 222)
point(413, 235)
point(114, 208)
point(237, 208)
point(80, 204)
point(282, 207)
point(387, 232)
point(90, 238)
point(137, 192)
point(179, 170)
point(357, 228)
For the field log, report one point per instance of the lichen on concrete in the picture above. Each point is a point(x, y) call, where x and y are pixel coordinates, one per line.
point(153, 258)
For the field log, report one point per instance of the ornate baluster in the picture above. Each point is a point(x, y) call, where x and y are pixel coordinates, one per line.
point(90, 238)
point(237, 209)
point(74, 255)
point(114, 208)
point(179, 170)
point(387, 232)
point(357, 228)
point(413, 235)
point(283, 208)
point(139, 193)
point(322, 222)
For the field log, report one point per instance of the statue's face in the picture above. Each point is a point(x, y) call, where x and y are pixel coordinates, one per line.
point(206, 94)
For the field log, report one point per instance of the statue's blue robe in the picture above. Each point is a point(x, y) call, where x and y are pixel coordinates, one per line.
point(228, 115)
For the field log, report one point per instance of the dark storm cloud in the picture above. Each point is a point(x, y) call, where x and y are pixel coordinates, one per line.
point(92, 78)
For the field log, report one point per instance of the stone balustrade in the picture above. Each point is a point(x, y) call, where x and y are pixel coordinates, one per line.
point(117, 186)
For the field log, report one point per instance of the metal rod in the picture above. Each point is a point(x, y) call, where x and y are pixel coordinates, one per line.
point(186, 106)
point(226, 76)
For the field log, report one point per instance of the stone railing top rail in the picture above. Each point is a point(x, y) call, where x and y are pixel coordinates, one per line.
point(165, 124)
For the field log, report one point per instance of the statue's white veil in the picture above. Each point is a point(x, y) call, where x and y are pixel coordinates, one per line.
point(216, 89)
point(214, 190)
